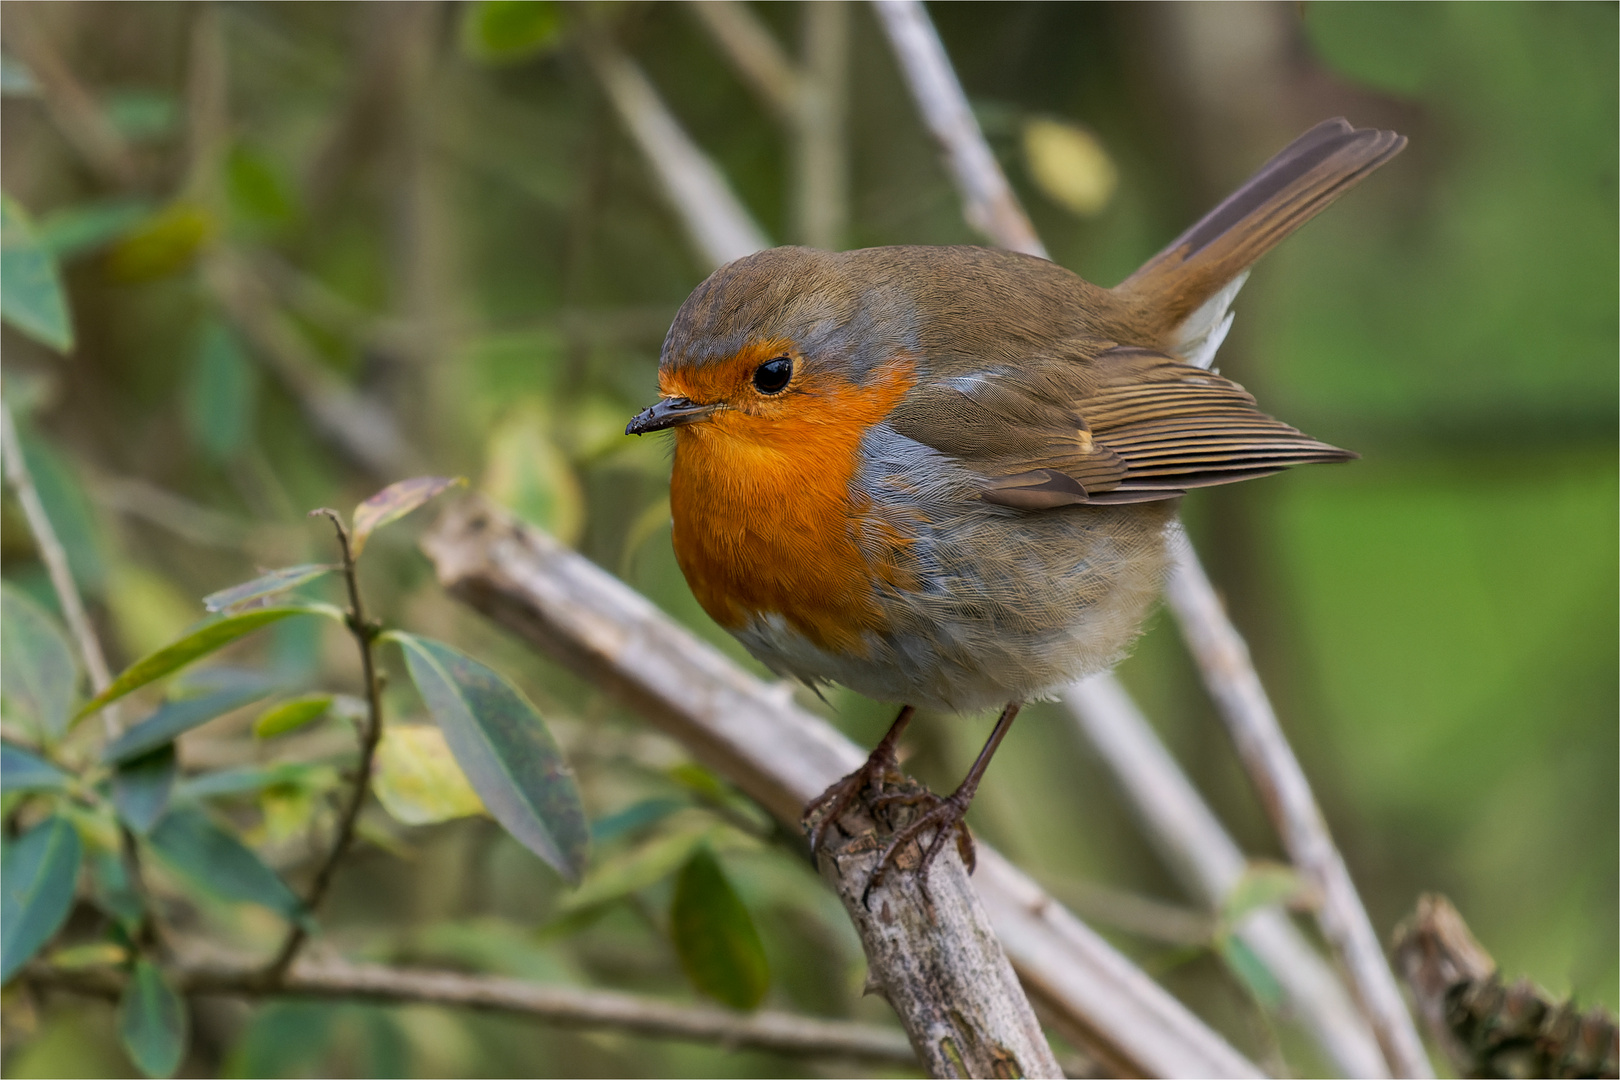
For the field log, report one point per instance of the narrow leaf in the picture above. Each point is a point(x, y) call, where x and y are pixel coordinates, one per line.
point(275, 581)
point(633, 818)
point(220, 392)
point(1250, 970)
point(418, 781)
point(37, 671)
point(1262, 885)
point(210, 637)
point(152, 1021)
point(31, 295)
point(22, 770)
point(219, 863)
point(715, 938)
point(394, 502)
point(247, 780)
point(174, 719)
point(501, 31)
point(503, 746)
point(291, 715)
point(38, 873)
point(112, 891)
point(88, 226)
point(631, 871)
point(141, 787)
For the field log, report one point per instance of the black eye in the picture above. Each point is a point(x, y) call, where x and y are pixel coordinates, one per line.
point(771, 376)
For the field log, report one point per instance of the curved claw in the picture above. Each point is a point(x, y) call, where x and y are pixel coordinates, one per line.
point(946, 816)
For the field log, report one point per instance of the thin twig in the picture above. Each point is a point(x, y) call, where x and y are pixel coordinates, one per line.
point(821, 167)
point(782, 756)
point(365, 636)
point(988, 201)
point(1209, 865)
point(1223, 660)
point(55, 558)
point(763, 65)
point(720, 226)
point(575, 1008)
point(77, 115)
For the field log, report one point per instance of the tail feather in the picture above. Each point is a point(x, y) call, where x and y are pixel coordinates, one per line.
point(1298, 183)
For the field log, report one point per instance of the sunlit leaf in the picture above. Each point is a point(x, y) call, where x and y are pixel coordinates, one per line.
point(76, 230)
point(291, 715)
point(636, 869)
point(499, 31)
point(38, 872)
point(21, 770)
point(259, 195)
point(208, 638)
point(31, 294)
point(38, 675)
point(141, 787)
point(165, 244)
point(394, 502)
point(417, 778)
point(175, 718)
point(152, 1021)
point(715, 937)
point(90, 954)
point(220, 393)
point(218, 863)
point(526, 472)
point(503, 746)
point(288, 577)
point(1070, 166)
point(287, 808)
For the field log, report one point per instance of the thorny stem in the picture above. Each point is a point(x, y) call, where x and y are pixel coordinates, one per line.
point(365, 635)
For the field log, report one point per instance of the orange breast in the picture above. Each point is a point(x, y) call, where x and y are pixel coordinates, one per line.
point(764, 522)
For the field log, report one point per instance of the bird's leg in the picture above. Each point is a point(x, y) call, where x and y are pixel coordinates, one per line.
point(831, 804)
point(945, 815)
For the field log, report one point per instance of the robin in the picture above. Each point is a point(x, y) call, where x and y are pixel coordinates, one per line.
point(942, 476)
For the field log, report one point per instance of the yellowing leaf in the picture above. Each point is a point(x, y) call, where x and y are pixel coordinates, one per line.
point(1069, 165)
point(418, 780)
point(164, 245)
point(526, 472)
point(291, 715)
point(148, 610)
point(394, 502)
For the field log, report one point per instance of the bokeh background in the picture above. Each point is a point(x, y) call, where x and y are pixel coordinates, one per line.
point(440, 211)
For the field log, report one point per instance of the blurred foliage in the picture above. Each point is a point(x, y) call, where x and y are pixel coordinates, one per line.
point(434, 208)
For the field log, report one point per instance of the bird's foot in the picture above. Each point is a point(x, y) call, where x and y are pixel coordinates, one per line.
point(944, 815)
point(831, 804)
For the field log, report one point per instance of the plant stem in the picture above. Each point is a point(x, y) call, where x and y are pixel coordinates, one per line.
point(365, 635)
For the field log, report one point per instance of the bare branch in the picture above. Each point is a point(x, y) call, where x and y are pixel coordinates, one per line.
point(756, 737)
point(988, 201)
point(75, 111)
point(575, 1008)
point(55, 559)
point(821, 169)
point(1223, 660)
point(1209, 864)
point(764, 66)
point(720, 226)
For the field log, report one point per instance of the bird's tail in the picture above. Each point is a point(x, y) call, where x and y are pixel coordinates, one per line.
point(1198, 267)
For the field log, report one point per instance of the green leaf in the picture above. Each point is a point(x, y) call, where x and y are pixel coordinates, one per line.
point(288, 577)
point(174, 719)
point(37, 671)
point(218, 863)
point(112, 891)
point(291, 715)
point(221, 389)
point(38, 873)
point(88, 226)
point(259, 195)
point(500, 31)
point(152, 1021)
point(21, 770)
point(142, 115)
point(636, 869)
point(715, 938)
point(245, 781)
point(504, 748)
point(69, 508)
point(529, 474)
point(417, 779)
point(164, 244)
point(31, 295)
point(1250, 970)
point(394, 502)
point(1262, 885)
point(208, 638)
point(633, 818)
point(141, 787)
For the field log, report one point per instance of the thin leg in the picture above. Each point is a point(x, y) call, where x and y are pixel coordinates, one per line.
point(832, 803)
point(945, 816)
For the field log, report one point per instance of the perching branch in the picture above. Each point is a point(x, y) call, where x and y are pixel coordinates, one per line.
point(1223, 660)
point(564, 1006)
point(782, 756)
point(365, 636)
point(991, 205)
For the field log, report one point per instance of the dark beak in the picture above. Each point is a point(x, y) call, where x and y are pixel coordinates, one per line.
point(671, 412)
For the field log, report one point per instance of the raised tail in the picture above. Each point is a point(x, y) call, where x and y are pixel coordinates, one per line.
point(1290, 189)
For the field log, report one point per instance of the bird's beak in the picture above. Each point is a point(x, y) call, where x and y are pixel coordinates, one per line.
point(671, 412)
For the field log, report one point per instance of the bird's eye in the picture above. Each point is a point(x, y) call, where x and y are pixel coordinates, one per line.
point(771, 376)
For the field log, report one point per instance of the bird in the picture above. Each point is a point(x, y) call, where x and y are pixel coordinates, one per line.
point(944, 476)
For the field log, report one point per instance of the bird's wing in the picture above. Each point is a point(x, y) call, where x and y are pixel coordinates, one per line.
point(1127, 425)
